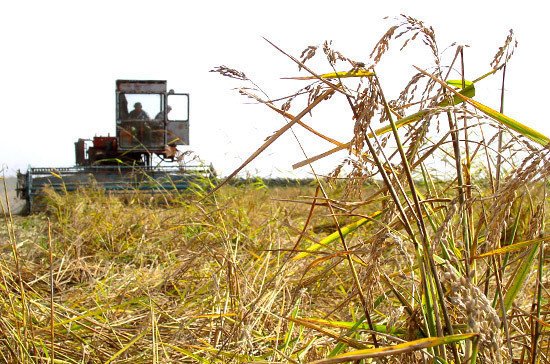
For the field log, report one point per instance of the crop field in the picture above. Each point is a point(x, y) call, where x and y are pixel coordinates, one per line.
point(384, 260)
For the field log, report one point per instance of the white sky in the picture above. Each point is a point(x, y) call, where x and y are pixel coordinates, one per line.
point(60, 59)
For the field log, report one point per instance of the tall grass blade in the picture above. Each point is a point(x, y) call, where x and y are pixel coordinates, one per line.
point(336, 235)
point(344, 339)
point(505, 120)
point(188, 353)
point(354, 325)
point(274, 137)
point(128, 345)
point(396, 349)
point(468, 91)
point(519, 277)
point(353, 73)
point(512, 247)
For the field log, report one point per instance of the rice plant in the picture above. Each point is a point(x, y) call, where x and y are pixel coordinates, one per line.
point(386, 259)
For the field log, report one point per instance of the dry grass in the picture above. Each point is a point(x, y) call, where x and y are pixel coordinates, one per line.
point(184, 279)
point(386, 260)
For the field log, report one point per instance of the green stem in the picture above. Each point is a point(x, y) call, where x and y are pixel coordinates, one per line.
point(420, 222)
point(500, 132)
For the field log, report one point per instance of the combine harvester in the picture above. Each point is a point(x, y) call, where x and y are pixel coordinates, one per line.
point(143, 156)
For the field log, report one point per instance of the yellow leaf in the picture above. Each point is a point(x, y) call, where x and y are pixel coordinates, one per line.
point(395, 349)
point(503, 119)
point(336, 235)
point(216, 315)
point(353, 73)
point(512, 247)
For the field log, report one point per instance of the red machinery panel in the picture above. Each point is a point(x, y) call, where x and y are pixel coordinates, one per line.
point(103, 142)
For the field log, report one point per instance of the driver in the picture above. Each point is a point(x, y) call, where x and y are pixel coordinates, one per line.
point(160, 115)
point(138, 113)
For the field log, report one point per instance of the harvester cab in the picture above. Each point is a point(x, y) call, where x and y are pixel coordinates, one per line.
point(150, 121)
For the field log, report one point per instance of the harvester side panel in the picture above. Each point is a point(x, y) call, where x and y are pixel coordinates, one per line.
point(177, 132)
